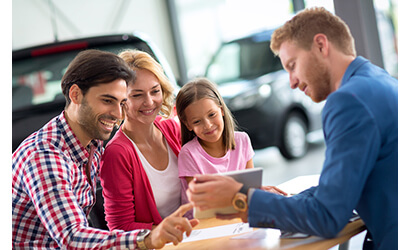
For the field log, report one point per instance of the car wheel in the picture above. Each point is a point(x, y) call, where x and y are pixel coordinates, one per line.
point(293, 143)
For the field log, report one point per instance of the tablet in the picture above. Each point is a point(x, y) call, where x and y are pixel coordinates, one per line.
point(251, 178)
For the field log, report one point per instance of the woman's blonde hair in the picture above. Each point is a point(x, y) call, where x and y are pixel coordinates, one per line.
point(302, 28)
point(141, 60)
point(194, 91)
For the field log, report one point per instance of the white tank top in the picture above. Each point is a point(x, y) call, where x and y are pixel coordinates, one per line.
point(165, 184)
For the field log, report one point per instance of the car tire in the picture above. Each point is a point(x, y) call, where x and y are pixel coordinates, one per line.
point(293, 141)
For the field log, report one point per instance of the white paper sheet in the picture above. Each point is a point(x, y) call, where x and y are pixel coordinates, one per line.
point(262, 233)
point(299, 184)
point(220, 231)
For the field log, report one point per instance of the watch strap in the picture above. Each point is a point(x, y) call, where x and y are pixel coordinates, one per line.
point(141, 237)
point(244, 190)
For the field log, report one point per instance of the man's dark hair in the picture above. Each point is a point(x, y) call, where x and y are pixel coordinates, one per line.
point(93, 67)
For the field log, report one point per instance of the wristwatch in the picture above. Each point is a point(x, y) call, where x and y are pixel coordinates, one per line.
point(239, 202)
point(141, 237)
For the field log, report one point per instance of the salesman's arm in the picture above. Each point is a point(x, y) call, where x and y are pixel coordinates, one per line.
point(352, 143)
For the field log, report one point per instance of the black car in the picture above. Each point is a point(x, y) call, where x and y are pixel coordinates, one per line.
point(256, 89)
point(37, 95)
point(37, 73)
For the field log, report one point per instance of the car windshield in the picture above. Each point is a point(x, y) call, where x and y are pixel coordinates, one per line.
point(37, 80)
point(245, 59)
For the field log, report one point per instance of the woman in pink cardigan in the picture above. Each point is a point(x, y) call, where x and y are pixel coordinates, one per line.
point(139, 171)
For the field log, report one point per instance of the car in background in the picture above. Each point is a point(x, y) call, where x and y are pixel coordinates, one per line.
point(256, 89)
point(36, 87)
point(37, 73)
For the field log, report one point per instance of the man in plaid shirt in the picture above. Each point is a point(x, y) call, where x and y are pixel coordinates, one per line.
point(54, 182)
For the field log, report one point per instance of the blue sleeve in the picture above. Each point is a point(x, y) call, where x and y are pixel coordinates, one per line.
point(352, 145)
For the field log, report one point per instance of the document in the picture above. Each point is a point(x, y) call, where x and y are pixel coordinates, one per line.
point(299, 184)
point(220, 231)
point(261, 233)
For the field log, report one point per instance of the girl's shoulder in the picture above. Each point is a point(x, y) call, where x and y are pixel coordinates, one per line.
point(240, 135)
point(191, 145)
point(242, 139)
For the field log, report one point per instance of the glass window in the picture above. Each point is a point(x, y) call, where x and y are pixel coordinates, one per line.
point(204, 25)
point(225, 65)
point(242, 59)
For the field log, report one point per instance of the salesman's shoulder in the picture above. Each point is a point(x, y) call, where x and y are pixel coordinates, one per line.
point(362, 75)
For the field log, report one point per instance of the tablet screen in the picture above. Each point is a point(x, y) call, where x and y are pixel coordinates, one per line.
point(251, 178)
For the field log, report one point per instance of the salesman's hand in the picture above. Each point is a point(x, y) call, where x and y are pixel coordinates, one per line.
point(274, 190)
point(242, 215)
point(171, 228)
point(212, 191)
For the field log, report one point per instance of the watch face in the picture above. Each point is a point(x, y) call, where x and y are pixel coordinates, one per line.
point(143, 232)
point(240, 204)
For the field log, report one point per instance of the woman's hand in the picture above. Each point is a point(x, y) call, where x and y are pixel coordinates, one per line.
point(171, 229)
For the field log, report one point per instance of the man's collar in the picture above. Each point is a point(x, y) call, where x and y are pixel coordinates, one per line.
point(354, 65)
point(77, 151)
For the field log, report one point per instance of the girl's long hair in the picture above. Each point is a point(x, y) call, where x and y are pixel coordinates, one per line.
point(194, 91)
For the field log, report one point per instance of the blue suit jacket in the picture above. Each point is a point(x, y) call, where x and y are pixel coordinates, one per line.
point(360, 169)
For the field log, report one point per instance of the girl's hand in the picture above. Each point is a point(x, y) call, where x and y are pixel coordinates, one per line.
point(274, 190)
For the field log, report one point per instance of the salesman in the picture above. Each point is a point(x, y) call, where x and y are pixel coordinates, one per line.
point(360, 129)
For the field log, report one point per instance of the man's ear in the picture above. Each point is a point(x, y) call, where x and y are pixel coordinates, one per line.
point(321, 43)
point(75, 94)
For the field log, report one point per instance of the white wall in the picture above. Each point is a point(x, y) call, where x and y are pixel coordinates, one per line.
point(32, 25)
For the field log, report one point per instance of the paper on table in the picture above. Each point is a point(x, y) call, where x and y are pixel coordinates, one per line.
point(299, 184)
point(261, 233)
point(220, 231)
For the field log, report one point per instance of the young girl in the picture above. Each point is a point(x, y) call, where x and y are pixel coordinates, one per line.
point(210, 143)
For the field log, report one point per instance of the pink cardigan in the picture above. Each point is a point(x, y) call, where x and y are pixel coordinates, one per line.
point(128, 198)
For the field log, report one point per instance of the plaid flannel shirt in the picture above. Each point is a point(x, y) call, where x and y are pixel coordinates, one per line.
point(51, 195)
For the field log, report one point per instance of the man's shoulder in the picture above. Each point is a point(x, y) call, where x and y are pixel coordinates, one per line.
point(367, 76)
point(48, 139)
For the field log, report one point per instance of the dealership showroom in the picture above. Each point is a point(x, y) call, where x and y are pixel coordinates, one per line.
point(227, 42)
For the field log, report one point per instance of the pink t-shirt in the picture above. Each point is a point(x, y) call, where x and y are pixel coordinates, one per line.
point(193, 159)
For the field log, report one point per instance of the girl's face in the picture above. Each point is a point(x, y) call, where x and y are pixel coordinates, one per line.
point(144, 98)
point(205, 118)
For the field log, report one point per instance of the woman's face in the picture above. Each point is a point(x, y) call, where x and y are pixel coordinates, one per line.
point(144, 98)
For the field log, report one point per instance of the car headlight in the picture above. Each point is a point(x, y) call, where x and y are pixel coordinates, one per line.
point(250, 98)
